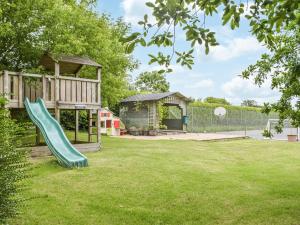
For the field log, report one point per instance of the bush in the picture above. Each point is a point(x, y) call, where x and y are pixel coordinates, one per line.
point(67, 119)
point(13, 165)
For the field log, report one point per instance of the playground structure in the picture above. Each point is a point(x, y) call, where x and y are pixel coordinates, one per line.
point(110, 124)
point(63, 90)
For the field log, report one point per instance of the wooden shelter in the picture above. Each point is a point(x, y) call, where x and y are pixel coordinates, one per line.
point(142, 111)
point(62, 90)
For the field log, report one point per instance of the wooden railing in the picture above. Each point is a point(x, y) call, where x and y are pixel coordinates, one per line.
point(70, 91)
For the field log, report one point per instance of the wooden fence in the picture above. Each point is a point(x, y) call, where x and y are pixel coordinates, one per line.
point(60, 91)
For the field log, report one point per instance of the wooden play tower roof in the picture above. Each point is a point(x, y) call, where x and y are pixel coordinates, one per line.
point(68, 64)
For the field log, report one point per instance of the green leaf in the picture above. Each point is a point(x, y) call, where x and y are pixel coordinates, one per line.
point(143, 42)
point(150, 4)
point(130, 47)
point(131, 37)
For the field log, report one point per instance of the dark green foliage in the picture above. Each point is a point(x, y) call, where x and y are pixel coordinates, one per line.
point(13, 165)
point(67, 119)
point(152, 82)
point(250, 103)
point(221, 101)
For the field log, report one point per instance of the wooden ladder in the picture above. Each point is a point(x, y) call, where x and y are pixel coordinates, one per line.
point(92, 124)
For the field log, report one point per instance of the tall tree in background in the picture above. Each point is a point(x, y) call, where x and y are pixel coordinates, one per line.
point(29, 28)
point(152, 82)
point(249, 103)
point(274, 23)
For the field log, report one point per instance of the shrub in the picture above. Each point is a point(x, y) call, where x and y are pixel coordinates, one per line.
point(67, 119)
point(13, 164)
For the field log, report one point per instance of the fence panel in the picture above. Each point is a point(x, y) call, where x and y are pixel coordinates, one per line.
point(202, 119)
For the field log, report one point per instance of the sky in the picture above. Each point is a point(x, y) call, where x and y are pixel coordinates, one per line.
point(215, 74)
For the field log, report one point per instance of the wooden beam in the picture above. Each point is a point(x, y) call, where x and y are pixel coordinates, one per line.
point(21, 92)
point(38, 136)
point(44, 88)
point(99, 125)
point(76, 125)
point(99, 85)
point(56, 74)
point(5, 83)
point(90, 130)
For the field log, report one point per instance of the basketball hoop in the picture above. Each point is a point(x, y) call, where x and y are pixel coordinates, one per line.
point(220, 112)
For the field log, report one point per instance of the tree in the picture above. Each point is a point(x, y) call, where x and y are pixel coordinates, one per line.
point(282, 64)
point(13, 165)
point(249, 103)
point(152, 82)
point(274, 23)
point(221, 101)
point(29, 28)
point(266, 19)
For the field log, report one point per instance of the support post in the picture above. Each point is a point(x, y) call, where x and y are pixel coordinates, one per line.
point(90, 130)
point(99, 102)
point(57, 111)
point(99, 86)
point(76, 125)
point(20, 91)
point(44, 82)
point(98, 126)
point(38, 136)
point(5, 84)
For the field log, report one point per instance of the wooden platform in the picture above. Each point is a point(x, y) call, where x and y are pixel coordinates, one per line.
point(58, 92)
point(40, 151)
point(61, 92)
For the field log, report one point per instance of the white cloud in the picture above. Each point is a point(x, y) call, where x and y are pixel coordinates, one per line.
point(238, 89)
point(234, 48)
point(206, 83)
point(134, 11)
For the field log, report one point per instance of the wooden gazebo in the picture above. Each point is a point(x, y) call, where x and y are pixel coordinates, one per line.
point(61, 90)
point(141, 111)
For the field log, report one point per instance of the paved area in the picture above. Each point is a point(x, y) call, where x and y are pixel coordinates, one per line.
point(187, 136)
point(257, 134)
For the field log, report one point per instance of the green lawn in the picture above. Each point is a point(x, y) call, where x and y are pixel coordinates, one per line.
point(170, 182)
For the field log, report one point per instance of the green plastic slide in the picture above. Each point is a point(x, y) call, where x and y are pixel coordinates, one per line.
point(54, 136)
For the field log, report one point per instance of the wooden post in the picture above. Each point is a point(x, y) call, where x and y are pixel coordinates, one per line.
point(44, 82)
point(99, 102)
point(99, 85)
point(5, 82)
point(20, 91)
point(38, 136)
point(98, 126)
point(90, 129)
point(6, 86)
point(57, 111)
point(76, 124)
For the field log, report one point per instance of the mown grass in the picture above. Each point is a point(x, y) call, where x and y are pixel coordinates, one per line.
point(169, 182)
